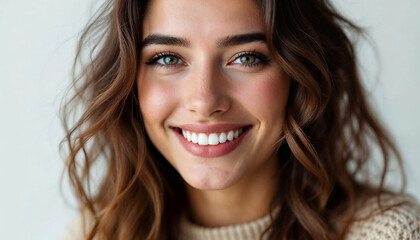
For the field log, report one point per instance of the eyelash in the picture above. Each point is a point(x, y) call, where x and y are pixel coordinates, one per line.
point(153, 60)
point(260, 59)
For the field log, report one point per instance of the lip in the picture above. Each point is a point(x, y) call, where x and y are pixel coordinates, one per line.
point(210, 151)
point(213, 128)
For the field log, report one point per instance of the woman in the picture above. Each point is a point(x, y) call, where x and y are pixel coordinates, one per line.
point(233, 119)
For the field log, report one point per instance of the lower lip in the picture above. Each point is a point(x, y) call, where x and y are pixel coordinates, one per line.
point(210, 151)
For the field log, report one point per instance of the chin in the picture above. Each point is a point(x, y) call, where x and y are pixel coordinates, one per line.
point(210, 179)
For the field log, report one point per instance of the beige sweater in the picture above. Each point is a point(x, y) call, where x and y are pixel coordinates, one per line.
point(401, 222)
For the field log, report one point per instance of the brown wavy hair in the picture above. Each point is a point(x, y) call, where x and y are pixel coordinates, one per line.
point(327, 140)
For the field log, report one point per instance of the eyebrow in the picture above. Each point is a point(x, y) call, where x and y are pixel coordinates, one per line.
point(165, 40)
point(233, 40)
point(240, 39)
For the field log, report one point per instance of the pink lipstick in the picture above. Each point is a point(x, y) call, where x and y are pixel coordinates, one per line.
point(211, 141)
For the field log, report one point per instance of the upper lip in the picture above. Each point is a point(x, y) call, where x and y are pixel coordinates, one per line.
point(211, 128)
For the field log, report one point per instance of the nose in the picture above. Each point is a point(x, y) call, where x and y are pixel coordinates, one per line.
point(206, 93)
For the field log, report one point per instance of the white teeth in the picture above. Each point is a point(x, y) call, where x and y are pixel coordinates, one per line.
point(203, 139)
point(212, 138)
point(194, 138)
point(230, 136)
point(222, 138)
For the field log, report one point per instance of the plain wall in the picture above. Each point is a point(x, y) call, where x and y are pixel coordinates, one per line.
point(37, 45)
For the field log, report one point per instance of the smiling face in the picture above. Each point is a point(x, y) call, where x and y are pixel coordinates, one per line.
point(212, 98)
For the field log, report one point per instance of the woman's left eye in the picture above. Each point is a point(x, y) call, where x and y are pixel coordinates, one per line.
point(249, 59)
point(246, 59)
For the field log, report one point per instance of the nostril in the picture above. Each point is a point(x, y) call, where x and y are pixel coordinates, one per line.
point(206, 101)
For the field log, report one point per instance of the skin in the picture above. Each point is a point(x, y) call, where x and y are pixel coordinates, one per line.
point(209, 84)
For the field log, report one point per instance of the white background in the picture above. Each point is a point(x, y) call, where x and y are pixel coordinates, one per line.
point(37, 45)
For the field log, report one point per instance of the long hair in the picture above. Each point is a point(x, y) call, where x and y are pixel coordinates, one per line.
point(327, 139)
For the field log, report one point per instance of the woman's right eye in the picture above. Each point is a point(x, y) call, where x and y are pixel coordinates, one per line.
point(165, 60)
point(169, 60)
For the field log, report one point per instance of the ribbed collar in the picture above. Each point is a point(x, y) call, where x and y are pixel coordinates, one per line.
point(245, 231)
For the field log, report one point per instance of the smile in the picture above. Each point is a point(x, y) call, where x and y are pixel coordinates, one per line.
point(212, 138)
point(210, 141)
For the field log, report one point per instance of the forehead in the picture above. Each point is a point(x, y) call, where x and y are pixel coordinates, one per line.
point(204, 19)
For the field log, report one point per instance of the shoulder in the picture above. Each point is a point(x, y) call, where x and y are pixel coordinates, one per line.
point(393, 217)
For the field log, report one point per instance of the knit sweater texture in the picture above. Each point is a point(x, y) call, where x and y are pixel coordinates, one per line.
point(400, 221)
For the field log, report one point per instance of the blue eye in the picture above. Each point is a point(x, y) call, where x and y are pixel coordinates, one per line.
point(169, 60)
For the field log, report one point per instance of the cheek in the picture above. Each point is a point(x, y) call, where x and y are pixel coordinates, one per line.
point(267, 96)
point(157, 100)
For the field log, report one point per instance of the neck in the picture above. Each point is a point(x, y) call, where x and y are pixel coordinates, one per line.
point(247, 200)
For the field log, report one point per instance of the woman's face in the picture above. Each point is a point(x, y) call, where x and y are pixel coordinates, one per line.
point(207, 73)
